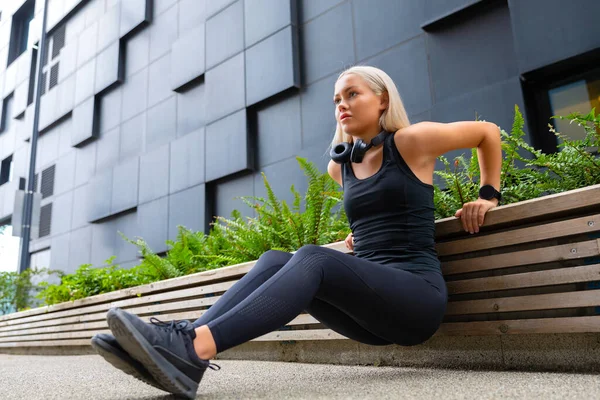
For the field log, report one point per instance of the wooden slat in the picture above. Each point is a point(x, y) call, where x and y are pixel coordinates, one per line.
point(569, 251)
point(519, 236)
point(534, 209)
point(308, 334)
point(55, 336)
point(588, 298)
point(49, 343)
point(586, 273)
point(522, 326)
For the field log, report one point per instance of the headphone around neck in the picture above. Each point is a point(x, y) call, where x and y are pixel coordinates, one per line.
point(344, 152)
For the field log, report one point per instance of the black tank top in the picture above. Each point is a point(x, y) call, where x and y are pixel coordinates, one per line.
point(391, 214)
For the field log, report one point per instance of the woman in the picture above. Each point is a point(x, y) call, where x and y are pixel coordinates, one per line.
point(390, 292)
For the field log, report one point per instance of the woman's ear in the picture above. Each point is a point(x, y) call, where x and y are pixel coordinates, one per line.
point(384, 101)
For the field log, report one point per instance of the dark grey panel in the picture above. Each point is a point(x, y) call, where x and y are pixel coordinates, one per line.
point(476, 53)
point(163, 33)
point(152, 221)
point(425, 116)
point(154, 174)
point(135, 93)
point(128, 225)
point(80, 248)
point(265, 17)
point(546, 31)
point(279, 134)
point(187, 208)
point(227, 146)
point(321, 55)
point(108, 150)
point(83, 122)
point(68, 61)
point(226, 193)
point(187, 57)
point(214, 6)
point(187, 161)
point(132, 137)
point(191, 14)
point(59, 252)
point(159, 86)
point(100, 194)
point(272, 66)
point(65, 172)
point(191, 110)
point(436, 9)
point(108, 27)
point(61, 213)
point(84, 81)
point(110, 109)
point(66, 95)
point(137, 52)
point(133, 14)
point(225, 34)
point(108, 68)
point(225, 87)
point(318, 113)
point(104, 237)
point(85, 163)
point(281, 176)
point(87, 44)
point(81, 204)
point(125, 185)
point(397, 21)
point(411, 76)
point(308, 9)
point(317, 154)
point(161, 124)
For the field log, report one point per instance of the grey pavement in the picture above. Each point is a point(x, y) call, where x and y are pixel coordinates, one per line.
point(90, 377)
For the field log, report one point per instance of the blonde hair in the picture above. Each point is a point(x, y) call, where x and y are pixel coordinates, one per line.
point(393, 118)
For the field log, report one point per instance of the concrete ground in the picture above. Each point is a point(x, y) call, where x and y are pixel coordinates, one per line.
point(89, 377)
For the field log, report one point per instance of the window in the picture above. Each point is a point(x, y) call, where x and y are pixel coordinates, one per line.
point(6, 170)
point(568, 86)
point(20, 30)
point(6, 118)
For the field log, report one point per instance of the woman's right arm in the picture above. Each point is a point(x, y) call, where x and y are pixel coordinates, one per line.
point(335, 171)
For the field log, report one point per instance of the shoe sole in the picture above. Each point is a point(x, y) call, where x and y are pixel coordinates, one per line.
point(124, 362)
point(165, 373)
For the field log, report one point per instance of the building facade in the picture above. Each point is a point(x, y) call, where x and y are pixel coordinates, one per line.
point(158, 113)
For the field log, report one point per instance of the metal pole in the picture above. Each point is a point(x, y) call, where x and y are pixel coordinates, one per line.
point(28, 200)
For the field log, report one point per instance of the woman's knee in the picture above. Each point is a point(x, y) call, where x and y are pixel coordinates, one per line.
point(271, 258)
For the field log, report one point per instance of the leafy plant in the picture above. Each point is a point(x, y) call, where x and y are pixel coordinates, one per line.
point(17, 290)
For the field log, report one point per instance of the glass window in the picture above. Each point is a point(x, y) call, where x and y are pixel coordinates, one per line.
point(19, 34)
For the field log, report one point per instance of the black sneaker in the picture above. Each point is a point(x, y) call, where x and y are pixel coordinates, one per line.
point(166, 349)
point(107, 346)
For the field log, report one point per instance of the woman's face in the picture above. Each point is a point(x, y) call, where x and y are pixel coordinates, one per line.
point(357, 107)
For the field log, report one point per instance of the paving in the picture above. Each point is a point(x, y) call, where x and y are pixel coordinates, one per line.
point(89, 377)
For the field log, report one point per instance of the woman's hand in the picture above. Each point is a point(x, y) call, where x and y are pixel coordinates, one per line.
point(472, 214)
point(350, 242)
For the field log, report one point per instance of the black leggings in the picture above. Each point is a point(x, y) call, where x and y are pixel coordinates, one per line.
point(362, 300)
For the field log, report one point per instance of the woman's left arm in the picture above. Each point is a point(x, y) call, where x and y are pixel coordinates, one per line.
point(432, 139)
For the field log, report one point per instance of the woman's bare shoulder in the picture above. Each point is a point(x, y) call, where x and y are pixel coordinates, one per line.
point(335, 171)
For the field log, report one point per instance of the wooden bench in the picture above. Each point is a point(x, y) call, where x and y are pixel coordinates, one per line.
point(532, 272)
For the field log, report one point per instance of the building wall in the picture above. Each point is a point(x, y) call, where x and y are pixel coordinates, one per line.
point(162, 111)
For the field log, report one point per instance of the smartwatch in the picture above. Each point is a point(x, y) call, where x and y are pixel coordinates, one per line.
point(488, 192)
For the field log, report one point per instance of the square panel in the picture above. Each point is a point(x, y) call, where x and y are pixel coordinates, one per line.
point(85, 163)
point(108, 150)
point(135, 93)
point(104, 237)
point(108, 27)
point(192, 13)
point(214, 6)
point(309, 9)
point(163, 33)
point(274, 145)
point(127, 224)
point(265, 17)
point(187, 161)
point(84, 81)
point(100, 195)
point(187, 208)
point(137, 52)
point(154, 174)
point(68, 61)
point(66, 95)
point(161, 125)
point(109, 69)
point(80, 248)
point(272, 66)
point(159, 82)
point(59, 252)
point(110, 109)
point(20, 99)
point(225, 34)
point(81, 204)
point(84, 128)
point(318, 112)
point(125, 185)
point(187, 57)
point(226, 150)
point(65, 172)
point(153, 221)
point(48, 109)
point(191, 110)
point(61, 213)
point(132, 137)
point(133, 14)
point(281, 176)
point(226, 193)
point(225, 87)
point(322, 57)
point(87, 44)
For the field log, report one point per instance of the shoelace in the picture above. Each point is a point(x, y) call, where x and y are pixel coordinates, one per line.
point(178, 326)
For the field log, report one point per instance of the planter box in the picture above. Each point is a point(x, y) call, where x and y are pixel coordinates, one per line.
point(523, 293)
